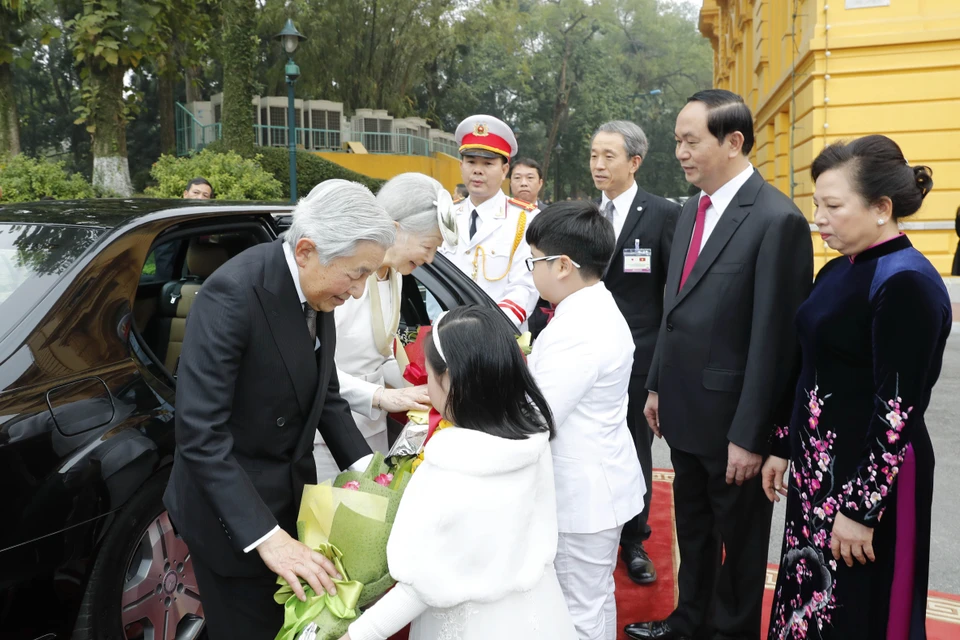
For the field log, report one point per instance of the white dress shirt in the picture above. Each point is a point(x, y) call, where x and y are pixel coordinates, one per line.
point(720, 200)
point(621, 204)
point(582, 362)
point(359, 465)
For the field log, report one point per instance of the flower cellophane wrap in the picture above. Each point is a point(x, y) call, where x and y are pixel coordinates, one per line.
point(349, 522)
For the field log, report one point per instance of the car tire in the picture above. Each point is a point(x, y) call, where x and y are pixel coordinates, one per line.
point(142, 583)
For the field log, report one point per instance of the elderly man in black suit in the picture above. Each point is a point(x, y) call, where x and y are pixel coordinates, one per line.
point(256, 380)
point(724, 367)
point(644, 225)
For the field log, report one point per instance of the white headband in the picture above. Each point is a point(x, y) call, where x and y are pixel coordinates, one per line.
point(436, 336)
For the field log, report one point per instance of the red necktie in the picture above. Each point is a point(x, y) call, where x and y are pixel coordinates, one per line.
point(697, 239)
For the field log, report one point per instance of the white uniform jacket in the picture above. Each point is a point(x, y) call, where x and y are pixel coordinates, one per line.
point(582, 363)
point(361, 366)
point(487, 257)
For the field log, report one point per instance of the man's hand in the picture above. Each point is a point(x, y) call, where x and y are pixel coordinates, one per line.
point(291, 560)
point(741, 464)
point(652, 412)
point(406, 399)
point(773, 475)
point(851, 540)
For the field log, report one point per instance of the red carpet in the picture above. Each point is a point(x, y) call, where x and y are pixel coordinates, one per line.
point(656, 601)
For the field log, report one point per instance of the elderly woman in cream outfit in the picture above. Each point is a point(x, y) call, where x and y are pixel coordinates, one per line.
point(370, 377)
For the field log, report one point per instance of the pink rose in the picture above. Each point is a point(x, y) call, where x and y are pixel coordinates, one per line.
point(353, 485)
point(384, 479)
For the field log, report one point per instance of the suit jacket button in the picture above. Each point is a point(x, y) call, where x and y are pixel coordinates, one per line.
point(281, 422)
point(669, 327)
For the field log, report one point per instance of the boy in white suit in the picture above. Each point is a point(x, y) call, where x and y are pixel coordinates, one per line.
point(582, 363)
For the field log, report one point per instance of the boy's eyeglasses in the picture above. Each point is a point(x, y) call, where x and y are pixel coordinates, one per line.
point(531, 261)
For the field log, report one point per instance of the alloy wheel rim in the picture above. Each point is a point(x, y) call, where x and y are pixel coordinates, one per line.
point(160, 598)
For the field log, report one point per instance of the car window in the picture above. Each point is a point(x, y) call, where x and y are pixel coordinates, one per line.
point(32, 259)
point(161, 263)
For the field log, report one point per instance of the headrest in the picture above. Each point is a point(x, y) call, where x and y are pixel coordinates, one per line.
point(203, 259)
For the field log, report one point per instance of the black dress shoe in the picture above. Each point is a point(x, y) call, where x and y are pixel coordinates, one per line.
point(657, 630)
point(639, 565)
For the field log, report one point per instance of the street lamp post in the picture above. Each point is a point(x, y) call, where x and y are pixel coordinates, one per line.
point(290, 38)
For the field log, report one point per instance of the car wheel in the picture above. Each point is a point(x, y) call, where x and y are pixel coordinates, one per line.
point(142, 584)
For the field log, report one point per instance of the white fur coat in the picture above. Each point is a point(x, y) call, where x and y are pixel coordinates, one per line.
point(478, 520)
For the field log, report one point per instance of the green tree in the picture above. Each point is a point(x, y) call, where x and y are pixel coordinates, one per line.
point(240, 47)
point(363, 53)
point(20, 23)
point(110, 38)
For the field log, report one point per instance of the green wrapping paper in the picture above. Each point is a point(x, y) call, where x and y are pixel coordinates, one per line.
point(332, 614)
point(350, 526)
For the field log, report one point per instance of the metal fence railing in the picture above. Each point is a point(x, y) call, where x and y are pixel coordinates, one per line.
point(191, 134)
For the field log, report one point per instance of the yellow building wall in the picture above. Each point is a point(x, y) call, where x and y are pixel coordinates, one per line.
point(444, 168)
point(815, 72)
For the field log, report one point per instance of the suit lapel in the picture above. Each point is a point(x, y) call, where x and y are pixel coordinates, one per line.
point(488, 227)
point(736, 213)
point(281, 306)
point(678, 253)
point(637, 209)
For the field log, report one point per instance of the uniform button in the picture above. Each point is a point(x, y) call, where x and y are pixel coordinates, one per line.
point(669, 327)
point(281, 422)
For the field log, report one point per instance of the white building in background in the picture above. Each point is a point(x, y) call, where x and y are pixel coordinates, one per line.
point(321, 126)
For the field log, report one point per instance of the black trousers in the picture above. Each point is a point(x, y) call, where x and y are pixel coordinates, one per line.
point(637, 529)
point(721, 597)
point(238, 607)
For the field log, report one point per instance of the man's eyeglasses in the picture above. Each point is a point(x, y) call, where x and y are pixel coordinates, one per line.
point(531, 261)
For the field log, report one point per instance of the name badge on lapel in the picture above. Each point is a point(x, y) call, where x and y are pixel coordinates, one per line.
point(637, 260)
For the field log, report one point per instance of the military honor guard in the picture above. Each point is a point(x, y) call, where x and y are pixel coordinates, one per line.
point(492, 249)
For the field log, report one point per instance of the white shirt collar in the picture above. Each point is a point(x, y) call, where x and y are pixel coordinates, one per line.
point(489, 209)
point(294, 270)
point(581, 297)
point(622, 202)
point(723, 196)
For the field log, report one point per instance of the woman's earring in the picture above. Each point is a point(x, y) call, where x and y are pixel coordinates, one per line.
point(879, 222)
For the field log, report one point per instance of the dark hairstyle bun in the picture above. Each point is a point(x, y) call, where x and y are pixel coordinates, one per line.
point(924, 177)
point(878, 170)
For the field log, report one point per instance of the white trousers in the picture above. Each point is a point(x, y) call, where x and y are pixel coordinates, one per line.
point(585, 564)
point(327, 468)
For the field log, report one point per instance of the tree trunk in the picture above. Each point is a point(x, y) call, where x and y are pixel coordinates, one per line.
point(168, 127)
point(9, 120)
point(111, 170)
point(239, 61)
point(192, 77)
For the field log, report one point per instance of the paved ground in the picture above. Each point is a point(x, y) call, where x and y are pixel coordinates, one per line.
point(943, 421)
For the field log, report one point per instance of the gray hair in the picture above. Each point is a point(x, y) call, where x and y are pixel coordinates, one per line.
point(411, 200)
point(337, 215)
point(634, 139)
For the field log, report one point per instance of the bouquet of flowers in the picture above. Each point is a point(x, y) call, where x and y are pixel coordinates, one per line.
point(349, 522)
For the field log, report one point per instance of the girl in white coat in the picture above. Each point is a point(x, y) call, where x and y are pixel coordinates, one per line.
point(473, 543)
point(371, 380)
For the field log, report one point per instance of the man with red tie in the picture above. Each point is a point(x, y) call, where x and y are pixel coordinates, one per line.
point(724, 367)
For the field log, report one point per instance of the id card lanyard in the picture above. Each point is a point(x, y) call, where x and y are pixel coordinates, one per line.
point(637, 259)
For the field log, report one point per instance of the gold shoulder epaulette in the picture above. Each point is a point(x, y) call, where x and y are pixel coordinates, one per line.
point(459, 201)
point(526, 206)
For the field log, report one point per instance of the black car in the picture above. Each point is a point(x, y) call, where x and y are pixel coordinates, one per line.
point(93, 303)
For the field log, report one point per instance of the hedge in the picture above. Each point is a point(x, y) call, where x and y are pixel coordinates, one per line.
point(311, 169)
